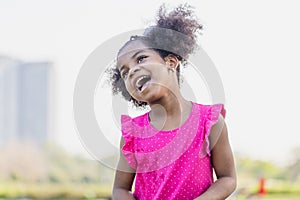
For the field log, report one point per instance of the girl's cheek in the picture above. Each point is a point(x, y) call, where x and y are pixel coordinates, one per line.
point(129, 87)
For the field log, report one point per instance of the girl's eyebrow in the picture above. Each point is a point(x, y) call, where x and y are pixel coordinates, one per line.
point(121, 68)
point(136, 53)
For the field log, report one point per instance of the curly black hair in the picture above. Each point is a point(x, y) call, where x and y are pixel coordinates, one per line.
point(175, 33)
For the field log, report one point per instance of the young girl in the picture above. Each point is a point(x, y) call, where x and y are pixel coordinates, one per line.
point(171, 151)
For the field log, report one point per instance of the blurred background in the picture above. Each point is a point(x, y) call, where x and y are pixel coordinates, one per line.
point(43, 44)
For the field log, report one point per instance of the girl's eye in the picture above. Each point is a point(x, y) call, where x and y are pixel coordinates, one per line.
point(124, 74)
point(141, 58)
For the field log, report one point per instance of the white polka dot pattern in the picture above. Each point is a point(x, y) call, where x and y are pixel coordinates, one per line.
point(171, 164)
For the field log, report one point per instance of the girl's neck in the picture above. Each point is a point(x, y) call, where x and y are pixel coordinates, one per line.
point(170, 107)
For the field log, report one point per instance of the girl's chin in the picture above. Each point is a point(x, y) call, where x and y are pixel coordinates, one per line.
point(148, 95)
point(151, 98)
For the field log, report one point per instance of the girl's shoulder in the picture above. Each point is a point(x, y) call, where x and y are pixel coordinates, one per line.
point(138, 120)
point(211, 111)
point(134, 126)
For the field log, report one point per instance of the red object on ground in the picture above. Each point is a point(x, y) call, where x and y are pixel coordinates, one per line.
point(262, 189)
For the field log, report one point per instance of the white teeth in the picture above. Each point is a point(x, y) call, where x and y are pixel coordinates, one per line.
point(138, 81)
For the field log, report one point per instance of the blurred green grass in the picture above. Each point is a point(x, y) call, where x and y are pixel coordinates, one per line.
point(275, 189)
point(54, 191)
point(270, 197)
point(17, 190)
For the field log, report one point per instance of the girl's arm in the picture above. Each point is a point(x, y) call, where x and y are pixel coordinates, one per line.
point(223, 163)
point(123, 179)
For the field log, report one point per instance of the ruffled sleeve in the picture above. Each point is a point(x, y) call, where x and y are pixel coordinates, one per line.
point(212, 116)
point(128, 148)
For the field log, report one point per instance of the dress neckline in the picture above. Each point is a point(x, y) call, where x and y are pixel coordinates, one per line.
point(171, 130)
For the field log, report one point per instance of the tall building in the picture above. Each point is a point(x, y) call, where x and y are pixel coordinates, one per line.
point(8, 99)
point(24, 100)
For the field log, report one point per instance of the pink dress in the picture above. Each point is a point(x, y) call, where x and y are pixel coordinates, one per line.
point(173, 164)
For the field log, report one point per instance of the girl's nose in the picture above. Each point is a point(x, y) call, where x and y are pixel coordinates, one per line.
point(133, 70)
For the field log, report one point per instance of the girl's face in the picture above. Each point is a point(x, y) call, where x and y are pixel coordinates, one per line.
point(146, 75)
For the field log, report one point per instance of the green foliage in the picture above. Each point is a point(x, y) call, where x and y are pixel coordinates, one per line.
point(49, 172)
point(277, 179)
point(27, 162)
point(293, 170)
point(258, 168)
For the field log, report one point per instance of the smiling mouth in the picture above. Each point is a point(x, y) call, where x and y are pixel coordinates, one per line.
point(141, 83)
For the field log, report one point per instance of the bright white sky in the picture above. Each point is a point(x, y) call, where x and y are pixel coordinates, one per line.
point(254, 45)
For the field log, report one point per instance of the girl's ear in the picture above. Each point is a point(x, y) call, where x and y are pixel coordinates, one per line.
point(172, 61)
